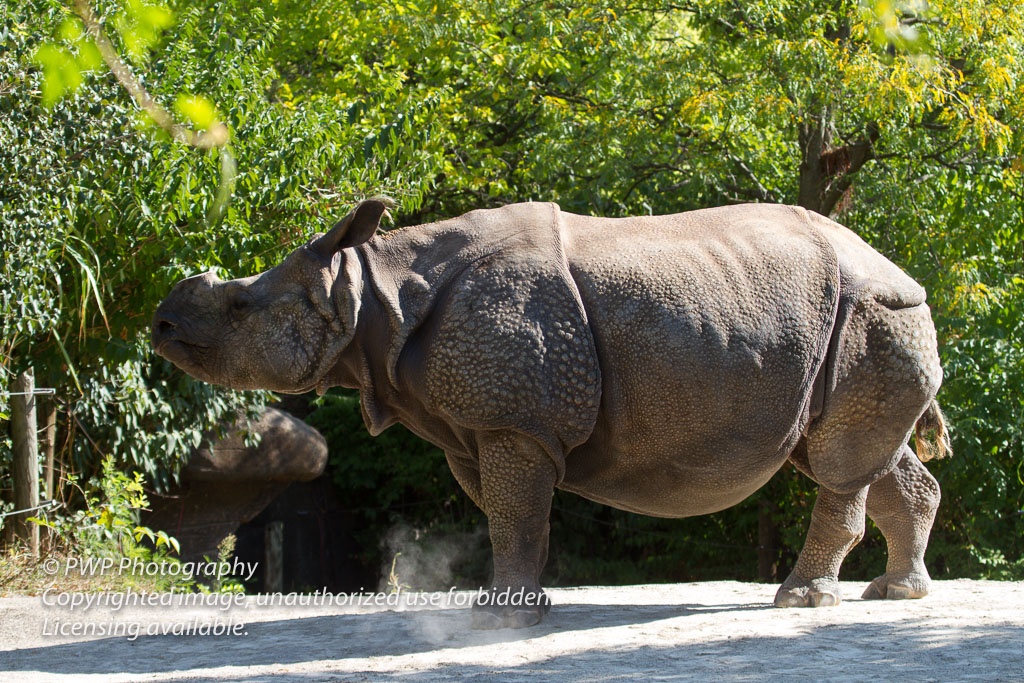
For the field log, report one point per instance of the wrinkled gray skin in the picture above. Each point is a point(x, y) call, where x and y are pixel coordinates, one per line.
point(664, 365)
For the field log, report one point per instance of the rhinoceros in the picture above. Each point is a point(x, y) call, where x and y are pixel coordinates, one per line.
point(664, 365)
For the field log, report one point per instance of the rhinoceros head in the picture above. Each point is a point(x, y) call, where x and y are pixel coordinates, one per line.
point(280, 330)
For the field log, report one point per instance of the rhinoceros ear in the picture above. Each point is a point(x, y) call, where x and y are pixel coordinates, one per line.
point(355, 228)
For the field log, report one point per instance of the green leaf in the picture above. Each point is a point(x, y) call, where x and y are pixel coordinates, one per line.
point(197, 109)
point(61, 72)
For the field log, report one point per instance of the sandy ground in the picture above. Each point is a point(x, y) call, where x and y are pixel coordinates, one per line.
point(966, 630)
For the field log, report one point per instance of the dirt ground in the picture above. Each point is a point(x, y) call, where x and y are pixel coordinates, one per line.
point(966, 630)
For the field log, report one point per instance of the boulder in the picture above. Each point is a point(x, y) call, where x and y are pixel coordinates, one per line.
point(227, 483)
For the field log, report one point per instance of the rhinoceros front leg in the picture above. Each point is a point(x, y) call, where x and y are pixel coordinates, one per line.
point(837, 524)
point(517, 482)
point(902, 504)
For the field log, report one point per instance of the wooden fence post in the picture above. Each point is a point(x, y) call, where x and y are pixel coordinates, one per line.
point(48, 446)
point(26, 458)
point(273, 557)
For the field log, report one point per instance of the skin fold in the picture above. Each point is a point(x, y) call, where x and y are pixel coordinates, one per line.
point(664, 365)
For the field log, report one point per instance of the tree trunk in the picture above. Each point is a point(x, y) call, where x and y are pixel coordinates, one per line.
point(826, 173)
point(25, 467)
point(813, 182)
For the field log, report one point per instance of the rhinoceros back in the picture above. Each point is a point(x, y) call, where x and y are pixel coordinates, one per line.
point(865, 272)
point(710, 328)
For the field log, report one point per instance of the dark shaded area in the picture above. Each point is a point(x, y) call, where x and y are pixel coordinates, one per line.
point(200, 514)
point(328, 637)
point(319, 549)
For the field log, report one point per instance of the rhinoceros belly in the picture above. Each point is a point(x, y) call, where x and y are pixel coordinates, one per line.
point(710, 327)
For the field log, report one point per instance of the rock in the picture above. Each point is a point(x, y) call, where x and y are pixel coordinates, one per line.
point(229, 483)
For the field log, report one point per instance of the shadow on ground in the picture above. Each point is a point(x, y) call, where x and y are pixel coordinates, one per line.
point(911, 648)
point(321, 638)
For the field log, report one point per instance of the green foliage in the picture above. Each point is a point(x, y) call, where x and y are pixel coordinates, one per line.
point(518, 85)
point(75, 213)
point(961, 234)
point(679, 106)
point(218, 583)
point(100, 214)
point(107, 525)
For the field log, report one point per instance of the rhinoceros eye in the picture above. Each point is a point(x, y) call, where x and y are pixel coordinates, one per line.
point(241, 304)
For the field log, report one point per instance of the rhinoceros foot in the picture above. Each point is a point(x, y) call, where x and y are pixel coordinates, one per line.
point(898, 586)
point(490, 613)
point(795, 592)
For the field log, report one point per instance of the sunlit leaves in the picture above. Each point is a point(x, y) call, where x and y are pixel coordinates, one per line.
point(197, 109)
point(140, 26)
point(893, 25)
point(65, 62)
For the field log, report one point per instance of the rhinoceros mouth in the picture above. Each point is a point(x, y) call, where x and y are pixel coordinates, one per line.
point(180, 352)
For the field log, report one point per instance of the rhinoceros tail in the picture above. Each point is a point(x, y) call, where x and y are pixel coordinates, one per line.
point(932, 436)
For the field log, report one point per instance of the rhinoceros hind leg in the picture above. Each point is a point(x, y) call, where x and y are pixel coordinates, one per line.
point(886, 372)
point(902, 504)
point(517, 482)
point(837, 524)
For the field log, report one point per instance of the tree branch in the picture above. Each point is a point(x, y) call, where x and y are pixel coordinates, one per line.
point(215, 136)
